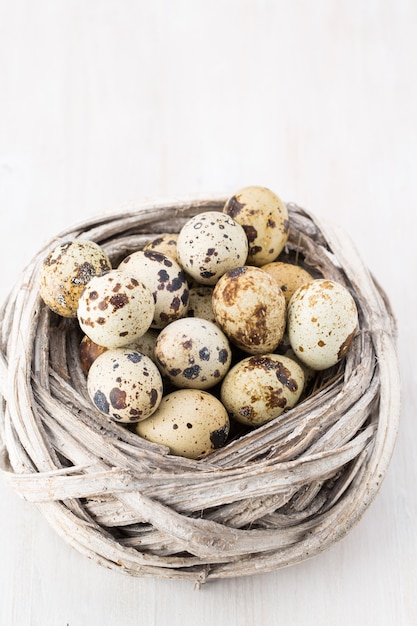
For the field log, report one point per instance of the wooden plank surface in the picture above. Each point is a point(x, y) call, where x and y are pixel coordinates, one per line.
point(105, 102)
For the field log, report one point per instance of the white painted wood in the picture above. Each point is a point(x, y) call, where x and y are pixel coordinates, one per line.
point(104, 102)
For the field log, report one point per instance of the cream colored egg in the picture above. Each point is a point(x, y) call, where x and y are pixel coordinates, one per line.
point(66, 271)
point(166, 244)
point(259, 388)
point(322, 321)
point(115, 309)
point(250, 309)
point(288, 276)
point(210, 244)
point(125, 385)
point(191, 422)
point(264, 218)
point(165, 279)
point(193, 353)
point(200, 303)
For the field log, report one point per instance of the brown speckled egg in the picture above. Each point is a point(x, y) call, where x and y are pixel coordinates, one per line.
point(209, 244)
point(125, 385)
point(165, 279)
point(191, 422)
point(200, 304)
point(115, 309)
point(250, 308)
point(322, 321)
point(166, 244)
point(288, 276)
point(264, 218)
point(259, 388)
point(66, 271)
point(193, 353)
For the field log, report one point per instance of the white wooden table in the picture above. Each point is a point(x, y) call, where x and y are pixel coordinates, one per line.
point(103, 102)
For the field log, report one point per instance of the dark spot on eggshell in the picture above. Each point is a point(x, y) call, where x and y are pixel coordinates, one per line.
point(223, 355)
point(189, 425)
point(175, 426)
point(275, 399)
point(255, 250)
point(174, 372)
point(284, 376)
point(117, 287)
point(84, 274)
point(204, 354)
point(251, 232)
point(233, 207)
point(153, 396)
point(219, 437)
point(93, 295)
point(101, 320)
point(176, 283)
point(118, 398)
point(207, 274)
point(185, 297)
point(187, 344)
point(134, 357)
point(175, 304)
point(119, 300)
point(246, 411)
point(345, 345)
point(101, 402)
point(163, 276)
point(191, 372)
point(271, 223)
point(102, 305)
point(154, 255)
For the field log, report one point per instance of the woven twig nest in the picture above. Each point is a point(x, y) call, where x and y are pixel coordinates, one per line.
point(272, 497)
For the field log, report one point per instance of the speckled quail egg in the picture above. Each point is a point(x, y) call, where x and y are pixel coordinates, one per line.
point(165, 279)
point(260, 388)
point(264, 218)
point(191, 422)
point(125, 385)
point(322, 321)
point(66, 271)
point(115, 309)
point(193, 353)
point(209, 244)
point(166, 244)
point(200, 304)
point(250, 309)
point(288, 276)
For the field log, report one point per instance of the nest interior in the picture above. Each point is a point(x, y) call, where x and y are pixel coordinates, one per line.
point(271, 497)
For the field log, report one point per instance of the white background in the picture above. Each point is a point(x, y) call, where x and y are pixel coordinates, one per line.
point(107, 101)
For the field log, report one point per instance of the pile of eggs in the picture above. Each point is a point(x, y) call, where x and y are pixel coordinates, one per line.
point(203, 329)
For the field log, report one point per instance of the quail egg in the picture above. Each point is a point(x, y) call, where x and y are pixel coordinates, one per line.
point(261, 387)
point(209, 244)
point(264, 218)
point(322, 321)
point(115, 309)
point(66, 271)
point(165, 279)
point(125, 385)
point(288, 276)
point(250, 309)
point(191, 422)
point(200, 303)
point(193, 353)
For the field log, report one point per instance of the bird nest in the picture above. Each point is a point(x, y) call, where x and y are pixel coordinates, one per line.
point(271, 497)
